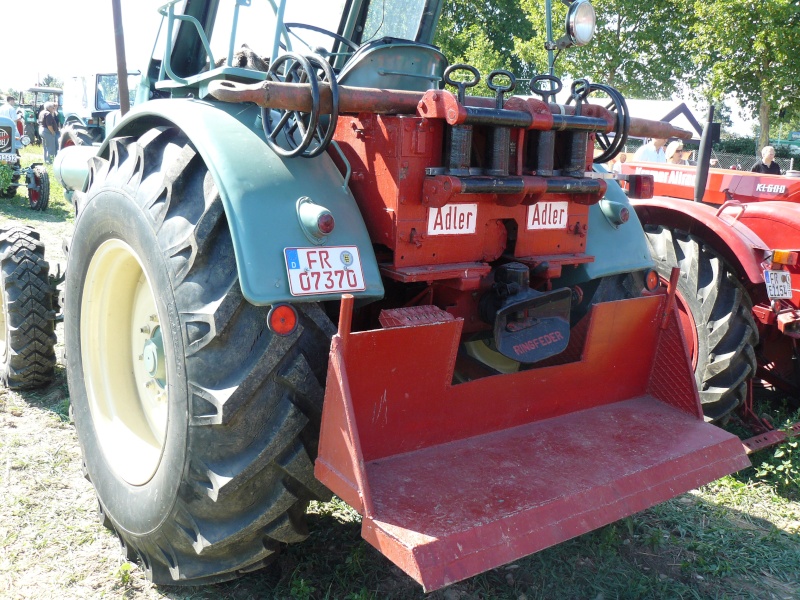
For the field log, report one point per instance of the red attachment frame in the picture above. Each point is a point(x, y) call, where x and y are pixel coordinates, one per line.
point(456, 479)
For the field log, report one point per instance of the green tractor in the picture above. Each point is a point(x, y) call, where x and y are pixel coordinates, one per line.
point(317, 265)
point(32, 103)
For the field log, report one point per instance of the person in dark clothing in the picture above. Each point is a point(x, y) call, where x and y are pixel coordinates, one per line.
point(767, 163)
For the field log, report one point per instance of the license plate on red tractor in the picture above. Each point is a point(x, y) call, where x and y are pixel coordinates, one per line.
point(779, 285)
point(328, 270)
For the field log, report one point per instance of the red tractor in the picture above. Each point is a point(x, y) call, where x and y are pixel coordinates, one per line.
point(739, 290)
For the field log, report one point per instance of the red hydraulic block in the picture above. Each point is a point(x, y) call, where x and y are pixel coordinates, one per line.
point(455, 479)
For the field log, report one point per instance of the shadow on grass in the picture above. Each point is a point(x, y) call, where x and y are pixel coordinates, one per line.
point(689, 547)
point(778, 466)
point(53, 398)
point(18, 207)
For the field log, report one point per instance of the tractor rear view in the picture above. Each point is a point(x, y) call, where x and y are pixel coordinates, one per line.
point(322, 266)
point(737, 247)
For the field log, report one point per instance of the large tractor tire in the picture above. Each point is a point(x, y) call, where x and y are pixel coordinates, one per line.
point(27, 355)
point(716, 316)
point(74, 134)
point(198, 425)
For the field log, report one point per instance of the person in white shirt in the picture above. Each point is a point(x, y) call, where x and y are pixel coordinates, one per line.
point(9, 109)
point(652, 151)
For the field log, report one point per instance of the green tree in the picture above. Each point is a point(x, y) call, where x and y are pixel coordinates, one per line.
point(639, 47)
point(51, 81)
point(748, 50)
point(484, 34)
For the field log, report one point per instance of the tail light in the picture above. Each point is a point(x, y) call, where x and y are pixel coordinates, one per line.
point(784, 257)
point(651, 280)
point(282, 319)
point(641, 187)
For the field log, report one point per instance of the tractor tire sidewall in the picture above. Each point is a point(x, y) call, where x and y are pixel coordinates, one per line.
point(242, 426)
point(135, 509)
point(739, 336)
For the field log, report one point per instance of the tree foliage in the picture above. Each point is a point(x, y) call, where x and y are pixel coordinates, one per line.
point(749, 49)
point(638, 48)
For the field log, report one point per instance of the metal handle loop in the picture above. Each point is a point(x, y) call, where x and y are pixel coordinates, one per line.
point(546, 94)
point(461, 85)
point(500, 89)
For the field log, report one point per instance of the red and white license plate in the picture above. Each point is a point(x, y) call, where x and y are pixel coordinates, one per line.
point(326, 270)
point(779, 285)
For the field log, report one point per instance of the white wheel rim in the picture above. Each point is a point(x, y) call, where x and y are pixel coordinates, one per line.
point(123, 365)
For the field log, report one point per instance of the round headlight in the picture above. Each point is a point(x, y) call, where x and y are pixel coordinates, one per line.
point(24, 140)
point(581, 21)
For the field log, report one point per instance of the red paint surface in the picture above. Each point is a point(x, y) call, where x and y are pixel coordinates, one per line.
point(457, 479)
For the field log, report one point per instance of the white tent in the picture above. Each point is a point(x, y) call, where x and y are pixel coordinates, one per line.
point(675, 112)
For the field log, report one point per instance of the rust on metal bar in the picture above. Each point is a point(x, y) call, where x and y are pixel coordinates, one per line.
point(297, 96)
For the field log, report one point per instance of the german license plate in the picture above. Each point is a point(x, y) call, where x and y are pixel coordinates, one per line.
point(324, 270)
point(779, 285)
point(7, 157)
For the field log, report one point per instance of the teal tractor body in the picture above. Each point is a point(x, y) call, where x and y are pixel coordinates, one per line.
point(303, 258)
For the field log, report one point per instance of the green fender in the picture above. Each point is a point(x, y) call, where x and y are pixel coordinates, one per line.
point(616, 250)
point(259, 191)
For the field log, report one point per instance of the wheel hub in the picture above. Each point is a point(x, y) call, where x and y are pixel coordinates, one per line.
point(124, 361)
point(153, 357)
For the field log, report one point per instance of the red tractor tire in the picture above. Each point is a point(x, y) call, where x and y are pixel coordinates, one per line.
point(716, 313)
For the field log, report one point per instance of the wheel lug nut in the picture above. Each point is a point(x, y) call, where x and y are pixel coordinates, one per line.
point(145, 329)
point(149, 385)
point(154, 318)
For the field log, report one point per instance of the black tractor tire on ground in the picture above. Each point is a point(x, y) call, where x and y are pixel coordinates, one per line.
point(27, 355)
point(39, 199)
point(74, 134)
point(211, 468)
point(721, 310)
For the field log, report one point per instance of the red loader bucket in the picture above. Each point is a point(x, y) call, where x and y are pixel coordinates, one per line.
point(456, 479)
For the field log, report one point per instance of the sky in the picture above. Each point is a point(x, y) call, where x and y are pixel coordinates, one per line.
point(72, 37)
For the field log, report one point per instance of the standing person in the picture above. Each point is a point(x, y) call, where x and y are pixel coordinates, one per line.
point(47, 130)
point(652, 151)
point(767, 163)
point(9, 110)
point(621, 158)
point(674, 153)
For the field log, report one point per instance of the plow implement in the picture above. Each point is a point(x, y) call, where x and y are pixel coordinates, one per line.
point(454, 479)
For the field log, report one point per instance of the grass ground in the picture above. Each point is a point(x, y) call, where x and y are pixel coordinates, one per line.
point(736, 538)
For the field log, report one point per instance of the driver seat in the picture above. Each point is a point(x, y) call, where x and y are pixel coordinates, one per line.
point(396, 64)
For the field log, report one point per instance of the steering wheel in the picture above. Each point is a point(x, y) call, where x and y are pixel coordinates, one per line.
point(326, 125)
point(339, 38)
point(292, 68)
point(614, 102)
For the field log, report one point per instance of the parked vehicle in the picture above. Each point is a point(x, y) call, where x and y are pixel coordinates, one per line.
point(89, 99)
point(32, 103)
point(504, 375)
point(35, 177)
point(739, 291)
